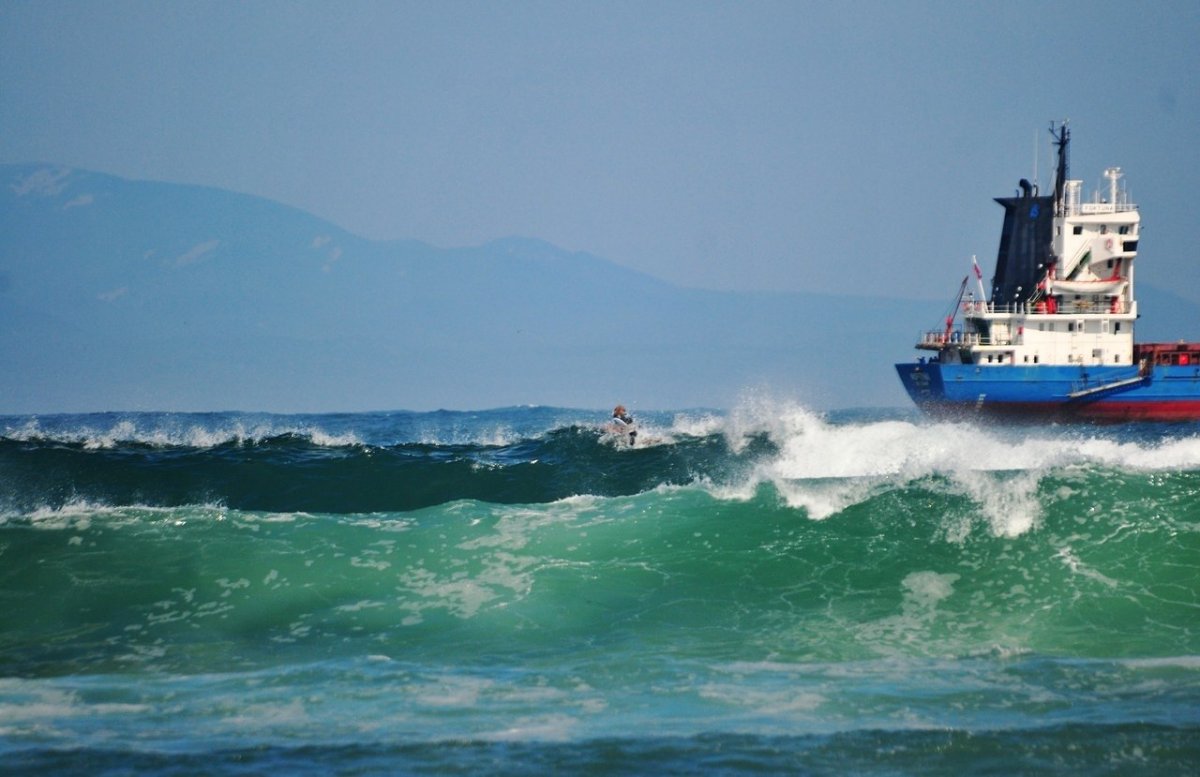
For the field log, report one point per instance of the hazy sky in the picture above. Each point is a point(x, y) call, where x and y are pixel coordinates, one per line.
point(836, 147)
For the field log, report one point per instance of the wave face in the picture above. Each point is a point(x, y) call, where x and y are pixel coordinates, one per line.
point(760, 590)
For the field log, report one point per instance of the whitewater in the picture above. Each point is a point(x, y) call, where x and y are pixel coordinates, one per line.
point(760, 590)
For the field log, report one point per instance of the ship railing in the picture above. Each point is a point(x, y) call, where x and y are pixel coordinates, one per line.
point(939, 338)
point(1087, 306)
point(974, 307)
point(1066, 307)
point(1090, 208)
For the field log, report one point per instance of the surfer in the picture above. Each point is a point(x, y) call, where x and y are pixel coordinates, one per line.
point(622, 422)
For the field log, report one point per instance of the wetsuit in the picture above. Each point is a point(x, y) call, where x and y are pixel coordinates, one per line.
point(626, 420)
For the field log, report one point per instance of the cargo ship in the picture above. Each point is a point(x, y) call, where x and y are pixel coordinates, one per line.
point(1054, 337)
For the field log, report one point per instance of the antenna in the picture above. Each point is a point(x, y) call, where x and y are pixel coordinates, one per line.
point(1036, 153)
point(1062, 140)
point(1112, 174)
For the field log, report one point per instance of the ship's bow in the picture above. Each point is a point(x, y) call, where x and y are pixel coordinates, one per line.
point(923, 382)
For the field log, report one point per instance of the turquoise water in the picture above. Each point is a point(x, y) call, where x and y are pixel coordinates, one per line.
point(509, 591)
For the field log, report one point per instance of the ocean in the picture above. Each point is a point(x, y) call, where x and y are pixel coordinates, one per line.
point(761, 590)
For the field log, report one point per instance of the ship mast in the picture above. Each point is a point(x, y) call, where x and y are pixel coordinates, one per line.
point(1062, 139)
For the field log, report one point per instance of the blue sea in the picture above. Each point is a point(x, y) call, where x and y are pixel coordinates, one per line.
point(761, 590)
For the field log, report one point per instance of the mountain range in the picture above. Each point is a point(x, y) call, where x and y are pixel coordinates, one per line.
point(133, 295)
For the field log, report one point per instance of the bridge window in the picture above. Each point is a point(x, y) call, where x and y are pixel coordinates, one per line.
point(1078, 230)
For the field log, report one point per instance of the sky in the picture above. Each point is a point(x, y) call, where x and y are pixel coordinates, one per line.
point(842, 148)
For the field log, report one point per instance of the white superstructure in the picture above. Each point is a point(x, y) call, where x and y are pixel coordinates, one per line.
point(1081, 309)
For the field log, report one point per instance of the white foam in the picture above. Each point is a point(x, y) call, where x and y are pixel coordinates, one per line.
point(1076, 566)
point(1009, 504)
point(824, 467)
point(497, 436)
point(502, 575)
point(763, 701)
point(923, 590)
point(820, 500)
point(544, 728)
point(451, 691)
point(697, 426)
point(173, 431)
point(738, 491)
point(25, 703)
point(812, 447)
point(291, 715)
point(922, 593)
point(1168, 662)
point(78, 515)
point(362, 604)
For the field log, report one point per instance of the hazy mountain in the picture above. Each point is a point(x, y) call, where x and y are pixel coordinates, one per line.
point(118, 294)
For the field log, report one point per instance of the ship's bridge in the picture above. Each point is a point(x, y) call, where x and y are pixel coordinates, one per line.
point(1117, 201)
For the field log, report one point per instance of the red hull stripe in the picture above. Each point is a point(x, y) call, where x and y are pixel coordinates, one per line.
point(1155, 410)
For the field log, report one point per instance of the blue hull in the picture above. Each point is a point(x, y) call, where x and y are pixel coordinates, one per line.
point(1117, 393)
